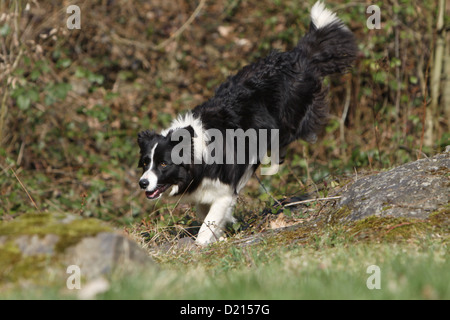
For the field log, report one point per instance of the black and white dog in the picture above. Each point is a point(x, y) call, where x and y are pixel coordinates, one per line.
point(267, 105)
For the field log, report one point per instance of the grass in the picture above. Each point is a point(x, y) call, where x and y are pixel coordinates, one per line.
point(259, 272)
point(323, 256)
point(313, 260)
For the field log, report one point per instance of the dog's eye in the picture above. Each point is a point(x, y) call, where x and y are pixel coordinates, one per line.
point(163, 164)
point(145, 163)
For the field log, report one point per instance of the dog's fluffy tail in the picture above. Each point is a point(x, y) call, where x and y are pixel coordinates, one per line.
point(329, 46)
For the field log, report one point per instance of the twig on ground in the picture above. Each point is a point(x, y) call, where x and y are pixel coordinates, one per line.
point(23, 187)
point(311, 200)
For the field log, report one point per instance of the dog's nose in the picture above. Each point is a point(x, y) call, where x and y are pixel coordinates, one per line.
point(143, 183)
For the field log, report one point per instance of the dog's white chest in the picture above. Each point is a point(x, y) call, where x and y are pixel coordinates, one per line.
point(208, 192)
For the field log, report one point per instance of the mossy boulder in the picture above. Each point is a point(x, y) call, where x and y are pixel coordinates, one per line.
point(38, 248)
point(413, 190)
point(407, 202)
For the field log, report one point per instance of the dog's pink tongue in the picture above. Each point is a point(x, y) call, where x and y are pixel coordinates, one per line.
point(152, 194)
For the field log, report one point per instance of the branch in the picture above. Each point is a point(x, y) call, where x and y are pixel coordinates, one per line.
point(163, 44)
point(311, 200)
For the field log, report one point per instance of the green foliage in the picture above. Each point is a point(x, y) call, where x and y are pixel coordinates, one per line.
point(92, 77)
point(75, 108)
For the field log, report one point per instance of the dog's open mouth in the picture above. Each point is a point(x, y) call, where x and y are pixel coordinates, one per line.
point(157, 192)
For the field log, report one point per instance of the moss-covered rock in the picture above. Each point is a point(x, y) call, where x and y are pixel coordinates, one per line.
point(413, 190)
point(38, 248)
point(405, 203)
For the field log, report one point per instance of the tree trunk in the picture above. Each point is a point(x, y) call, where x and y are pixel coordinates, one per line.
point(435, 81)
point(446, 80)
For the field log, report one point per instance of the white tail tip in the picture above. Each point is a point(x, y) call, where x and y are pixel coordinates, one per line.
point(321, 16)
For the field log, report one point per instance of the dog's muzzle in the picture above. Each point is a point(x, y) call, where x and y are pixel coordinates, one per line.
point(155, 193)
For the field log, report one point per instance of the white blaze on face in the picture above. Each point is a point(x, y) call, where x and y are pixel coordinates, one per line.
point(149, 174)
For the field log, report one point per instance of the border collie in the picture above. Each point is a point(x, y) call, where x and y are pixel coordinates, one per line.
point(282, 93)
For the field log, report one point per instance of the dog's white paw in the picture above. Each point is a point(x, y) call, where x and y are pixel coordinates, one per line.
point(207, 235)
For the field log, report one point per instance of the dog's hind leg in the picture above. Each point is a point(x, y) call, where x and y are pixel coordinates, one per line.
point(215, 221)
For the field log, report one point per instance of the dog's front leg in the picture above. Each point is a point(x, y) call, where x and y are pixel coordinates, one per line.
point(215, 221)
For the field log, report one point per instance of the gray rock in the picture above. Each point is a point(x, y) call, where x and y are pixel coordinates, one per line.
point(30, 245)
point(36, 247)
point(412, 190)
point(107, 250)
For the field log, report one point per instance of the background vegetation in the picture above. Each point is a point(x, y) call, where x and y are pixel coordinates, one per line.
point(72, 101)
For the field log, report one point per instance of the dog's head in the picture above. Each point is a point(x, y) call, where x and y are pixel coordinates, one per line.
point(161, 169)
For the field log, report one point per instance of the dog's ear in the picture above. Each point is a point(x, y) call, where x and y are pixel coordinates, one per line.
point(184, 135)
point(181, 140)
point(145, 136)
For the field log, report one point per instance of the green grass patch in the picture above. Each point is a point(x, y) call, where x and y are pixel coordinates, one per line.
point(276, 269)
point(259, 272)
